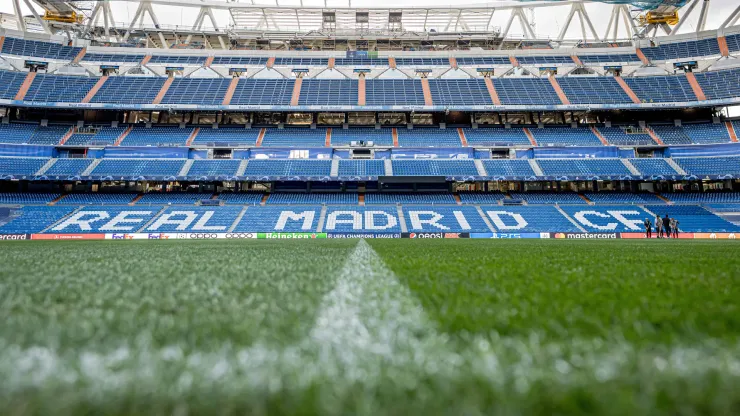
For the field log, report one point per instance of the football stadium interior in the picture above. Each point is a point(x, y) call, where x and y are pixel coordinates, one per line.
point(311, 120)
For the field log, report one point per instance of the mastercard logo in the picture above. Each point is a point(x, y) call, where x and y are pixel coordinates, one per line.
point(559, 235)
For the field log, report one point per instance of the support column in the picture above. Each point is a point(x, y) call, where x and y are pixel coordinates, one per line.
point(463, 139)
point(654, 136)
point(453, 62)
point(627, 90)
point(642, 56)
point(394, 132)
point(601, 137)
point(296, 91)
point(492, 91)
point(230, 92)
point(94, 90)
point(577, 60)
point(21, 94)
point(270, 62)
point(427, 92)
point(558, 90)
point(695, 86)
point(731, 131)
point(209, 62)
point(80, 55)
point(2, 40)
point(260, 137)
point(163, 90)
point(123, 136)
point(530, 136)
point(327, 141)
point(723, 48)
point(146, 60)
point(192, 136)
point(361, 91)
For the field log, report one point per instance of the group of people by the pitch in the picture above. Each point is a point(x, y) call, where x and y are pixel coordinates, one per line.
point(665, 227)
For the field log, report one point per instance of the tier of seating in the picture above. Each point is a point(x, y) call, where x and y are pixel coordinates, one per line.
point(580, 90)
point(583, 167)
point(391, 198)
point(294, 137)
point(138, 167)
point(428, 137)
point(522, 168)
point(565, 136)
point(210, 167)
point(496, 136)
point(379, 137)
point(157, 136)
point(681, 50)
point(626, 136)
point(372, 198)
point(96, 136)
point(38, 49)
point(433, 167)
point(304, 212)
point(230, 136)
point(18, 133)
point(693, 218)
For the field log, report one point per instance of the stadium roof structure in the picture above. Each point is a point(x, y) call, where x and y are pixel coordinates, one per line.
point(307, 20)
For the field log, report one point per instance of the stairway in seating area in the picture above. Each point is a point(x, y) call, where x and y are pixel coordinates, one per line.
point(186, 167)
point(46, 166)
point(92, 167)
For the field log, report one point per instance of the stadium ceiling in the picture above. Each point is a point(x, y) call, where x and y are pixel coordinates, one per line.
point(290, 19)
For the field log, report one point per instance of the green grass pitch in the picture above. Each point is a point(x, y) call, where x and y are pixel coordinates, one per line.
point(338, 327)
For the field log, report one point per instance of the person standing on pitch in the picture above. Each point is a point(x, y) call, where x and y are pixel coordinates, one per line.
point(648, 228)
point(658, 226)
point(674, 227)
point(667, 226)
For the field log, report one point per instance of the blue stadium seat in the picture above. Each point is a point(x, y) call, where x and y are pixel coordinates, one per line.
point(434, 167)
point(703, 197)
point(428, 137)
point(210, 167)
point(465, 219)
point(10, 83)
point(18, 166)
point(241, 198)
point(34, 219)
point(204, 91)
point(99, 219)
point(593, 90)
point(715, 165)
point(68, 167)
point(496, 136)
point(457, 92)
point(583, 167)
point(719, 84)
point(623, 198)
point(97, 198)
point(263, 92)
point(138, 167)
point(96, 135)
point(422, 62)
point(357, 219)
point(608, 218)
point(707, 133)
point(157, 136)
point(50, 135)
point(240, 60)
point(483, 60)
point(129, 90)
point(178, 59)
point(528, 219)
point(610, 59)
point(39, 49)
point(113, 58)
point(548, 198)
point(301, 62)
point(671, 134)
point(545, 60)
point(653, 166)
point(59, 88)
point(302, 218)
point(489, 198)
point(224, 135)
point(16, 132)
point(294, 137)
point(393, 92)
point(194, 219)
point(26, 198)
point(314, 198)
point(328, 92)
point(361, 167)
point(626, 136)
point(406, 198)
point(526, 91)
point(661, 89)
point(288, 167)
point(172, 198)
point(564, 136)
point(694, 219)
point(508, 167)
point(380, 137)
point(681, 50)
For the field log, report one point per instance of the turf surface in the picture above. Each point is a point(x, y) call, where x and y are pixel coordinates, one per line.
point(379, 327)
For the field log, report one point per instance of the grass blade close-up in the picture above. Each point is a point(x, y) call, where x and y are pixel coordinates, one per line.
point(329, 327)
